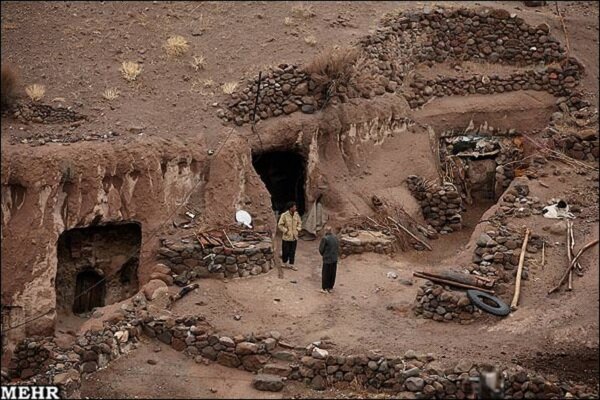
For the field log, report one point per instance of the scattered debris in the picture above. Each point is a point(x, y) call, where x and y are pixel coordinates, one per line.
point(392, 275)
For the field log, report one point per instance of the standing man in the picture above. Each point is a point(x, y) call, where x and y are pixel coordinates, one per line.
point(329, 251)
point(290, 225)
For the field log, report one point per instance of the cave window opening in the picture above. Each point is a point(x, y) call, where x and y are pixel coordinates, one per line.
point(283, 173)
point(97, 266)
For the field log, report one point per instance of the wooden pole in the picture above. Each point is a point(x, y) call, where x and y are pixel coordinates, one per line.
point(566, 274)
point(543, 254)
point(569, 255)
point(227, 237)
point(451, 283)
point(515, 300)
point(578, 267)
point(427, 246)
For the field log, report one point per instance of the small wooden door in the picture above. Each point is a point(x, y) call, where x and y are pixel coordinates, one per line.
point(90, 290)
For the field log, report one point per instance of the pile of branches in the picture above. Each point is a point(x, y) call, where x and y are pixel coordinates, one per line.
point(393, 221)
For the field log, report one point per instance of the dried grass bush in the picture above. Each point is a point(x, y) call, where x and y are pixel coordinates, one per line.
point(130, 70)
point(303, 11)
point(9, 86)
point(111, 94)
point(176, 46)
point(310, 40)
point(198, 62)
point(35, 92)
point(288, 21)
point(334, 67)
point(229, 87)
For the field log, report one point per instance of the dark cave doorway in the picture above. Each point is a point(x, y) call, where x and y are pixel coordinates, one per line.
point(90, 291)
point(284, 174)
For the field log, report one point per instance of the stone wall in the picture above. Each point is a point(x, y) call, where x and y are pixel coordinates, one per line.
point(189, 261)
point(557, 80)
point(41, 361)
point(283, 90)
point(441, 204)
point(583, 145)
point(507, 158)
point(357, 242)
point(426, 36)
point(275, 359)
point(498, 250)
point(408, 375)
point(44, 113)
point(436, 302)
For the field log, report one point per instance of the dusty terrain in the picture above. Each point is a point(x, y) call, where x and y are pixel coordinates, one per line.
point(168, 117)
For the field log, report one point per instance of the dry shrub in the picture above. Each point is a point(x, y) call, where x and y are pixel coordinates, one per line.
point(334, 66)
point(35, 92)
point(9, 85)
point(303, 11)
point(130, 70)
point(176, 46)
point(288, 21)
point(229, 87)
point(110, 94)
point(198, 62)
point(310, 40)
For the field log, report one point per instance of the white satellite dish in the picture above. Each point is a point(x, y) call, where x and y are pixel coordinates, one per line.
point(244, 218)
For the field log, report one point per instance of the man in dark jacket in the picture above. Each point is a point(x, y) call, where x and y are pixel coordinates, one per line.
point(329, 251)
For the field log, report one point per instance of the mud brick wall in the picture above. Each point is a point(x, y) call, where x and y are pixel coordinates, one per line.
point(441, 205)
point(435, 302)
point(190, 261)
point(581, 146)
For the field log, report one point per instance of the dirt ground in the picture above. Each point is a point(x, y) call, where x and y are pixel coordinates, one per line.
point(75, 49)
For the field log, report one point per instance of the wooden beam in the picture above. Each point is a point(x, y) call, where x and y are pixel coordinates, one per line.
point(515, 300)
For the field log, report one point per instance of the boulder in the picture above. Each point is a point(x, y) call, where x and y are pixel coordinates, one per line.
point(267, 383)
point(150, 287)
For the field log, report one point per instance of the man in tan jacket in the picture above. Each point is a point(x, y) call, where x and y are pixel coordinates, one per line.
point(290, 225)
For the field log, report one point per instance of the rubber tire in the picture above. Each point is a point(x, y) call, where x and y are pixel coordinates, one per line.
point(476, 297)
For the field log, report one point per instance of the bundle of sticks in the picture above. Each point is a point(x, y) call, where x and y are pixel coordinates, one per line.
point(549, 153)
point(573, 259)
point(397, 226)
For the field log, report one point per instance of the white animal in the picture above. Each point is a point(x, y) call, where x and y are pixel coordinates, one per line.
point(559, 210)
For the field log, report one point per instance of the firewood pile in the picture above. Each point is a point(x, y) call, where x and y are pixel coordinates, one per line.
point(393, 221)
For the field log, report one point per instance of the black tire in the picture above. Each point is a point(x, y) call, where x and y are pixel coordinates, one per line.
point(477, 296)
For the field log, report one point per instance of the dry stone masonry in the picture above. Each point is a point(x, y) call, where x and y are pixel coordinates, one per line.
point(430, 35)
point(188, 261)
point(436, 302)
point(43, 113)
point(583, 145)
point(498, 250)
point(283, 90)
point(441, 204)
point(269, 355)
point(356, 242)
point(481, 150)
point(557, 80)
